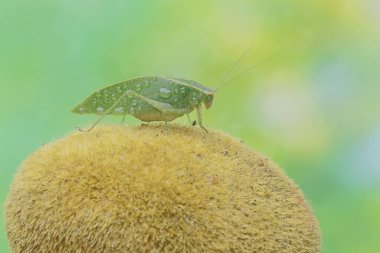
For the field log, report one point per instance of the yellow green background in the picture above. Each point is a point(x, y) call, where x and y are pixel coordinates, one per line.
point(315, 109)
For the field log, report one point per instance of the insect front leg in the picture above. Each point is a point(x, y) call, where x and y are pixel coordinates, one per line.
point(199, 116)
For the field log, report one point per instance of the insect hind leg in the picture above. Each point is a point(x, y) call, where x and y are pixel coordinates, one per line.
point(164, 108)
point(106, 112)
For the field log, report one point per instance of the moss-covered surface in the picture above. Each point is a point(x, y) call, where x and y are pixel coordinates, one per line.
point(155, 189)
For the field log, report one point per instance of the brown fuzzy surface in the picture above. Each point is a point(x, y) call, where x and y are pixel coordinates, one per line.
point(155, 189)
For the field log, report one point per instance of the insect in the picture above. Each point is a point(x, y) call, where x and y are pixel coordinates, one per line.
point(154, 98)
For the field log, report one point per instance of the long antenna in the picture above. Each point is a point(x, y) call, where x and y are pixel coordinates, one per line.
point(233, 67)
point(252, 67)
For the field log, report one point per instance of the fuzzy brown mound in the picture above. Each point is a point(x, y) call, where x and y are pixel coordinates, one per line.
point(155, 189)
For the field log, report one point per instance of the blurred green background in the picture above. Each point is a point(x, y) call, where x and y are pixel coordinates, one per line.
point(314, 109)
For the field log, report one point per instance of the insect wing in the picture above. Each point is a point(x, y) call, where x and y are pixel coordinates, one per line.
point(101, 100)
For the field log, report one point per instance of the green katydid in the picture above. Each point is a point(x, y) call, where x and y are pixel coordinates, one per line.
point(155, 98)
